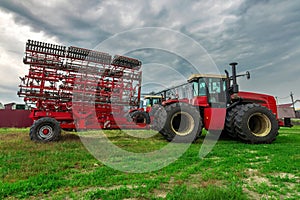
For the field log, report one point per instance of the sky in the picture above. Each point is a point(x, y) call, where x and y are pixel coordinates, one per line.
point(173, 38)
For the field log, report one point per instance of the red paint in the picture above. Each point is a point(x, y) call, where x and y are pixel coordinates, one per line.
point(214, 118)
point(262, 99)
point(45, 131)
point(171, 101)
point(201, 101)
point(107, 86)
point(281, 123)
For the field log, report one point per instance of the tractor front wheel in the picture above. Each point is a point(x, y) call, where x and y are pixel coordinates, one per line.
point(45, 129)
point(256, 124)
point(140, 117)
point(159, 115)
point(183, 123)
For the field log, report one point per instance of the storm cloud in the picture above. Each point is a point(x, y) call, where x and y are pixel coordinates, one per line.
point(262, 36)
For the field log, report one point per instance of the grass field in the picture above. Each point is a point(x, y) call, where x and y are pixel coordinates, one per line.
point(66, 170)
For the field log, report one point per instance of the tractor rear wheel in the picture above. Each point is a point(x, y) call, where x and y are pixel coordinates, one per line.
point(256, 124)
point(229, 121)
point(183, 123)
point(45, 129)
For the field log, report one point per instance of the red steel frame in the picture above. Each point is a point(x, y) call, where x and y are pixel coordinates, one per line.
point(80, 88)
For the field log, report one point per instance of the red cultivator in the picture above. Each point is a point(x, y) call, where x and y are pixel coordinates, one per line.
point(78, 88)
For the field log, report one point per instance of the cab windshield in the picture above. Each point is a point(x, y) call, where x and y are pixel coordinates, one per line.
point(153, 100)
point(213, 88)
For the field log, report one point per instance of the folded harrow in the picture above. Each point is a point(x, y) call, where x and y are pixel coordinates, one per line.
point(80, 88)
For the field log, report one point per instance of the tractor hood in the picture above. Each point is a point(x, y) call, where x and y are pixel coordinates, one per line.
point(262, 99)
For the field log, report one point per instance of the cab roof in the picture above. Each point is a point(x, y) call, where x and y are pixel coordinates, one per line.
point(197, 76)
point(152, 96)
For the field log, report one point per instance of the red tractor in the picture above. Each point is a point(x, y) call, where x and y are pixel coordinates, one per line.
point(215, 103)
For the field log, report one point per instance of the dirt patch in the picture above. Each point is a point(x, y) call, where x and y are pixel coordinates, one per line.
point(160, 193)
point(172, 183)
point(253, 179)
point(251, 172)
point(259, 160)
point(258, 180)
point(287, 175)
point(196, 181)
point(115, 187)
point(211, 182)
point(252, 194)
point(215, 159)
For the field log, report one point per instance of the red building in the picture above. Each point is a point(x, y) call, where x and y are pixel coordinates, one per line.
point(15, 115)
point(287, 110)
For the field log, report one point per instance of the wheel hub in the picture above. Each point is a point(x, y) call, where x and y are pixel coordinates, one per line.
point(182, 123)
point(259, 124)
point(46, 132)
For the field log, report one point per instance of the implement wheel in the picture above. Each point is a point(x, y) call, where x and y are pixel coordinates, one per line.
point(256, 124)
point(45, 129)
point(183, 123)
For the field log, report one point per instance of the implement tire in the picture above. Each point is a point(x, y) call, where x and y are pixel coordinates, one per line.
point(45, 129)
point(256, 124)
point(183, 123)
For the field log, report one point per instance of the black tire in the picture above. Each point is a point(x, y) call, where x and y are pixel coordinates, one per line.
point(45, 129)
point(229, 121)
point(183, 123)
point(159, 118)
point(256, 124)
point(154, 109)
point(140, 117)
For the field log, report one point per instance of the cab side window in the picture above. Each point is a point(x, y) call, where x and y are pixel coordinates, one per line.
point(195, 89)
point(202, 87)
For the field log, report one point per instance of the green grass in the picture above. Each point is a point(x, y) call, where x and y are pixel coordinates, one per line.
point(232, 170)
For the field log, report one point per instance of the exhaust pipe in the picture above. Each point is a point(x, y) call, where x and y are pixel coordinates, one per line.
point(235, 86)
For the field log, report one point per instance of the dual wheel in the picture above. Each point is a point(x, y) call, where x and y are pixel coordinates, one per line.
point(252, 123)
point(178, 122)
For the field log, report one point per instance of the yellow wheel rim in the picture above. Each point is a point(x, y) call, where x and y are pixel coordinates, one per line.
point(182, 123)
point(259, 124)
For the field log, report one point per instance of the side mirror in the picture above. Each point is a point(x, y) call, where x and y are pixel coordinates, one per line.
point(248, 74)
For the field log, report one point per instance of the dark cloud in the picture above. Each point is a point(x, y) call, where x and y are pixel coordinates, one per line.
point(68, 22)
point(263, 36)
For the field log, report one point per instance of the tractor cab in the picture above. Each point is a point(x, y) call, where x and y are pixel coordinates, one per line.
point(209, 90)
point(150, 100)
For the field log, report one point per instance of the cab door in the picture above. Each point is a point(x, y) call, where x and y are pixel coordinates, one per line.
point(214, 115)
